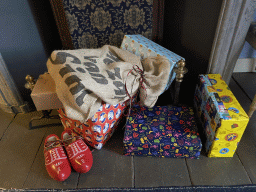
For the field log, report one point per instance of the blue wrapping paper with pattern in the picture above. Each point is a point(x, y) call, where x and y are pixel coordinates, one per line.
point(144, 47)
point(162, 131)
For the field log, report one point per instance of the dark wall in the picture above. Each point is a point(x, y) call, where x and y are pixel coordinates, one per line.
point(189, 30)
point(28, 35)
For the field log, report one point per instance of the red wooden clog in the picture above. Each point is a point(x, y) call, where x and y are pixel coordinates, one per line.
point(79, 154)
point(56, 161)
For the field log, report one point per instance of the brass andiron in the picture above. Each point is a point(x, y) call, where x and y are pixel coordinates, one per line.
point(30, 82)
point(46, 113)
point(180, 70)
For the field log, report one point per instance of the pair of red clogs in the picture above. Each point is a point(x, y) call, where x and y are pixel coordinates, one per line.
point(58, 163)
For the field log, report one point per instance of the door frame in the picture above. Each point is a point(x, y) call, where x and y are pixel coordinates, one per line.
point(233, 24)
point(10, 98)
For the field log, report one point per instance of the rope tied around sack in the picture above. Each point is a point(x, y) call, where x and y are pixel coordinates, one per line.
point(142, 80)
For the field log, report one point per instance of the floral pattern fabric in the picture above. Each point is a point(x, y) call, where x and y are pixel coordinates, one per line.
point(94, 23)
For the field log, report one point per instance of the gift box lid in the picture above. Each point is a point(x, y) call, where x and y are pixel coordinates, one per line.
point(221, 99)
point(155, 48)
point(174, 126)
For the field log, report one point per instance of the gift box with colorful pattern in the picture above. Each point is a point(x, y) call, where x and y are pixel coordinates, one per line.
point(222, 117)
point(162, 131)
point(143, 47)
point(97, 130)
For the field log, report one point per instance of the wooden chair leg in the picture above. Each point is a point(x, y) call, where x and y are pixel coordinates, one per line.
point(252, 107)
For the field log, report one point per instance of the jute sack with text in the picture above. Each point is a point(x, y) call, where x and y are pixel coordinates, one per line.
point(86, 77)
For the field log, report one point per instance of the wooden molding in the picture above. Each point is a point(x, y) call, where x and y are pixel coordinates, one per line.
point(251, 39)
point(62, 24)
point(10, 98)
point(234, 21)
point(245, 65)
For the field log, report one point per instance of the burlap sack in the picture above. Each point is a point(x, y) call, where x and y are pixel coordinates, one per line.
point(86, 77)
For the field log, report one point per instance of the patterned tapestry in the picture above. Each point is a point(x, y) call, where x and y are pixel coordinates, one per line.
point(94, 23)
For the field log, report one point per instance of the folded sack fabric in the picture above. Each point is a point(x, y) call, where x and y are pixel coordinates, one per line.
point(86, 77)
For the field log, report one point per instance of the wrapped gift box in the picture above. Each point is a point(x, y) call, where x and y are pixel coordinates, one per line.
point(97, 130)
point(44, 94)
point(143, 47)
point(222, 117)
point(164, 131)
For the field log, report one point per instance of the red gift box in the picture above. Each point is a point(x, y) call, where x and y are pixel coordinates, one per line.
point(98, 129)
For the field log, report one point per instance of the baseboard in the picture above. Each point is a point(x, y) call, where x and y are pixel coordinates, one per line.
point(245, 65)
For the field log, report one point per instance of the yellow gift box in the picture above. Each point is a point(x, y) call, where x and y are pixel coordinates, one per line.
point(222, 117)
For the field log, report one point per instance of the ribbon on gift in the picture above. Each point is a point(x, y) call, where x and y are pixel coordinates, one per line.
point(142, 80)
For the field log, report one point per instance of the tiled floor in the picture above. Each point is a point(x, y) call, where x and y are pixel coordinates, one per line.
point(22, 162)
